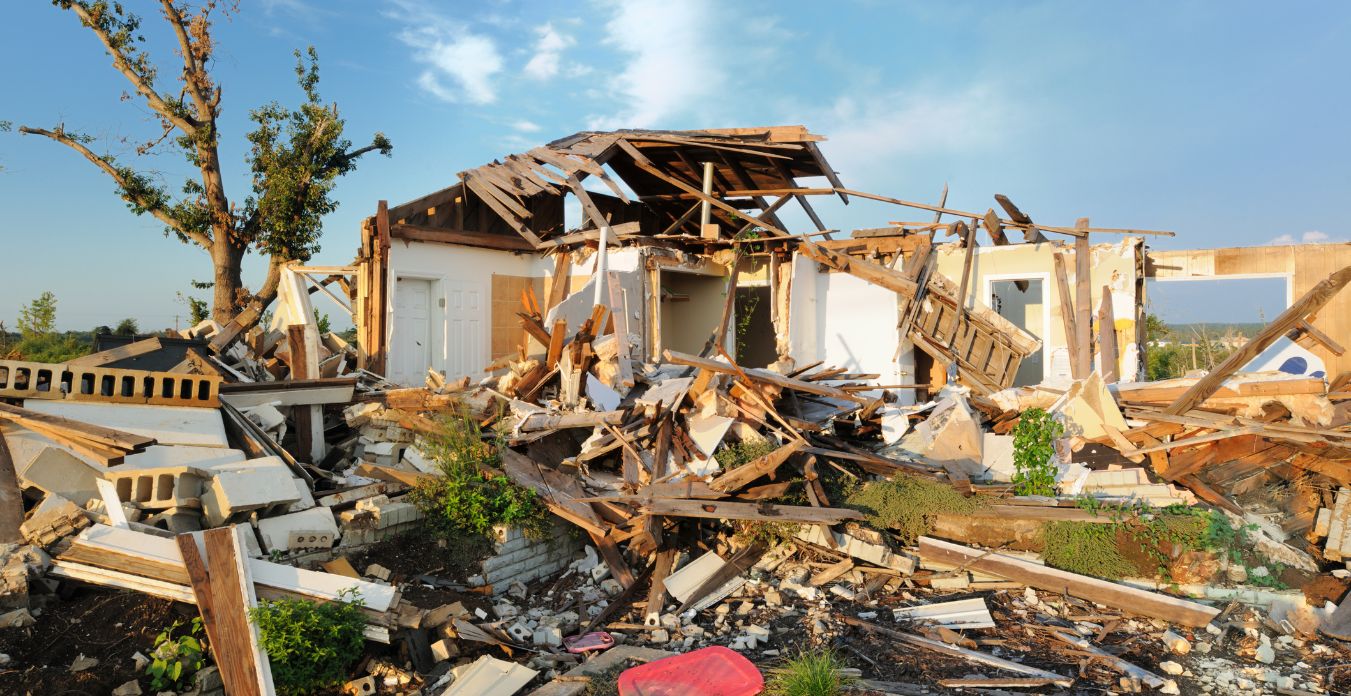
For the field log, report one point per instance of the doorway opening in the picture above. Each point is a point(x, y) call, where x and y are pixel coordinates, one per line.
point(691, 307)
point(1023, 302)
point(754, 327)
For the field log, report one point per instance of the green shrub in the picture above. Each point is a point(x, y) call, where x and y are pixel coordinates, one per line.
point(310, 644)
point(908, 504)
point(738, 453)
point(812, 673)
point(1033, 445)
point(1087, 548)
point(175, 659)
point(464, 499)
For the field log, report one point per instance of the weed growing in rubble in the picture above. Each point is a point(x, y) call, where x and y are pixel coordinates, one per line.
point(734, 455)
point(812, 673)
point(310, 644)
point(175, 659)
point(908, 505)
point(465, 499)
point(1033, 446)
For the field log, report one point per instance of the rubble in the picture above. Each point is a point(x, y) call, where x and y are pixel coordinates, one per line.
point(702, 504)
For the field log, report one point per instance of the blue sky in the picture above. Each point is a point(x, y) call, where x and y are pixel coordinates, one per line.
point(1223, 121)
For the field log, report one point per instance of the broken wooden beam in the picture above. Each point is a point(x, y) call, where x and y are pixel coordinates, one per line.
point(1123, 597)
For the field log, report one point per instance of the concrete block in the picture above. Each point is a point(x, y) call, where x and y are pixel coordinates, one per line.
point(59, 472)
point(306, 497)
point(364, 686)
point(312, 529)
point(160, 487)
point(54, 518)
point(444, 649)
point(233, 492)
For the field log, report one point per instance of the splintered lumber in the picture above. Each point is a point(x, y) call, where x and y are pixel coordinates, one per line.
point(1150, 679)
point(1067, 314)
point(1162, 392)
point(130, 350)
point(1151, 604)
point(955, 651)
point(559, 492)
point(1107, 349)
point(11, 499)
point(760, 375)
point(68, 431)
point(874, 273)
point(1311, 302)
point(739, 477)
point(1083, 310)
point(558, 421)
point(710, 509)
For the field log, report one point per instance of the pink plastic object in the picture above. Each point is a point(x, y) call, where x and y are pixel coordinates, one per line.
point(589, 642)
point(713, 671)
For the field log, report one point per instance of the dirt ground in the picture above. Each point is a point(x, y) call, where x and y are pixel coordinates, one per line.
point(107, 625)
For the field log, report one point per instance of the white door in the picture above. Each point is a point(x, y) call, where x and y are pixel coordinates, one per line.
point(411, 343)
point(466, 339)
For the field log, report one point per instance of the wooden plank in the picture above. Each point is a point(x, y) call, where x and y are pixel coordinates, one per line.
point(203, 596)
point(11, 498)
point(130, 350)
point(483, 240)
point(1311, 302)
point(1107, 348)
point(740, 477)
point(1083, 301)
point(1308, 329)
point(558, 283)
point(1121, 597)
point(656, 594)
point(955, 651)
point(874, 273)
point(759, 375)
point(710, 509)
point(610, 553)
point(231, 603)
point(116, 439)
point(558, 491)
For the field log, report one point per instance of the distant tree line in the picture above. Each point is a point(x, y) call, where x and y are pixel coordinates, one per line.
point(38, 340)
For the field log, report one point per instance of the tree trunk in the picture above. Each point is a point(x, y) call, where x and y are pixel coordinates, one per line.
point(228, 260)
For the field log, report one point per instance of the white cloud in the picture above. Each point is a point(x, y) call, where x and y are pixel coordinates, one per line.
point(868, 134)
point(1310, 237)
point(453, 53)
point(673, 65)
point(548, 55)
point(525, 126)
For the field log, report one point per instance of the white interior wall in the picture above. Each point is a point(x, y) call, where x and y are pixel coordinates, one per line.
point(847, 322)
point(449, 268)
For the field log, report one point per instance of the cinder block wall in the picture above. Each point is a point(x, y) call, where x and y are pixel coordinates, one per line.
point(519, 558)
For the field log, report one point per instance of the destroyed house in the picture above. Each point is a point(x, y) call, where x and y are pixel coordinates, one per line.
point(695, 257)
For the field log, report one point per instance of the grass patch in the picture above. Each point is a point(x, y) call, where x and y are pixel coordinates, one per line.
point(734, 455)
point(812, 673)
point(908, 504)
point(1087, 548)
point(465, 499)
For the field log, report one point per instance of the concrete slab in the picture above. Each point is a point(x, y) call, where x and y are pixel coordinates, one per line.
point(178, 455)
point(169, 425)
point(56, 470)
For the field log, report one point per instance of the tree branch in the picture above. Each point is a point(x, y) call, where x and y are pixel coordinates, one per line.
point(154, 208)
point(193, 71)
point(139, 81)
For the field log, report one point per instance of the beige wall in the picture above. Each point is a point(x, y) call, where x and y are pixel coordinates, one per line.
point(1112, 264)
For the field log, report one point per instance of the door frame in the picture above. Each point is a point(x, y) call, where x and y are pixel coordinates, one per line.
point(1045, 278)
point(436, 316)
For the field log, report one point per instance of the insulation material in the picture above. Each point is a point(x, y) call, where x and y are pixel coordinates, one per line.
point(1087, 407)
point(950, 437)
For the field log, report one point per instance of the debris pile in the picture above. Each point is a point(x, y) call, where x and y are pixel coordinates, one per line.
point(592, 513)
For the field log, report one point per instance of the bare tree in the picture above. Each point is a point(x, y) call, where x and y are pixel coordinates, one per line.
point(295, 159)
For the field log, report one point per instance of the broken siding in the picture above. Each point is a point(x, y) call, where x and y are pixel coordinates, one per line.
point(1113, 265)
